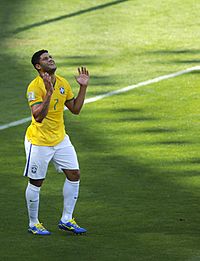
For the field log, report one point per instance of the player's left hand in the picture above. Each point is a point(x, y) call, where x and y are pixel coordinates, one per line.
point(83, 77)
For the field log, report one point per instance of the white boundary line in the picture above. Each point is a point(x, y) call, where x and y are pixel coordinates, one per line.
point(108, 94)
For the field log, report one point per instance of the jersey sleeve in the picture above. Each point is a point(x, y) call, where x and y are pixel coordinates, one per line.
point(34, 95)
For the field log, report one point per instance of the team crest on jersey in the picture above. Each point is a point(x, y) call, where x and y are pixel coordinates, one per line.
point(31, 96)
point(34, 169)
point(62, 90)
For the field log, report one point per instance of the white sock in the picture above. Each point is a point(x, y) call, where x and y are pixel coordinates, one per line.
point(32, 199)
point(70, 194)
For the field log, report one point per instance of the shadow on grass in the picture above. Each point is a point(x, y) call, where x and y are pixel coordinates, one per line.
point(14, 73)
point(194, 72)
point(181, 51)
point(158, 130)
point(137, 118)
point(128, 115)
point(128, 110)
point(195, 160)
point(13, 86)
point(77, 60)
point(103, 80)
point(178, 53)
point(187, 61)
point(91, 9)
point(173, 142)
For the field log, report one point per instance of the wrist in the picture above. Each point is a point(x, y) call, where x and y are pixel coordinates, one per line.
point(49, 93)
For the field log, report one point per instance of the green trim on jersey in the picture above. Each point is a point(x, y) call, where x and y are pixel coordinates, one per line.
point(70, 99)
point(35, 103)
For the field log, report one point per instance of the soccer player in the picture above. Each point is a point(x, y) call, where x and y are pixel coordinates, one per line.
point(46, 139)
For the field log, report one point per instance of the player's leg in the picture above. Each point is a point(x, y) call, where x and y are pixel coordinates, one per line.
point(70, 193)
point(32, 195)
point(65, 159)
point(36, 167)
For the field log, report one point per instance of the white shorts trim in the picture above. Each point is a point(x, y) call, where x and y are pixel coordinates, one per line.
point(62, 155)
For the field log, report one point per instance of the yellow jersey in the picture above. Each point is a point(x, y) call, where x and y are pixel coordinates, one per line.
point(51, 130)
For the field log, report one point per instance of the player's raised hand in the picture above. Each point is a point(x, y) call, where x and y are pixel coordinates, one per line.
point(47, 82)
point(83, 77)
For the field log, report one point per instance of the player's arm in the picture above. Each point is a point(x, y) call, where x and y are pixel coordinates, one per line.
point(39, 111)
point(82, 79)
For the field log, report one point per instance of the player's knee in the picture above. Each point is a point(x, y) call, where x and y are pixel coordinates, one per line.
point(36, 182)
point(72, 175)
point(75, 175)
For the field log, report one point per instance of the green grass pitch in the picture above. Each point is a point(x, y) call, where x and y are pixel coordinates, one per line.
point(138, 151)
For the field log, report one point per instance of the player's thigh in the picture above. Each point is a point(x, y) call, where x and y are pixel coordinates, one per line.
point(65, 156)
point(37, 160)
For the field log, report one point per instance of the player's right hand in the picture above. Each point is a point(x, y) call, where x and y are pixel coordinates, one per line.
point(47, 82)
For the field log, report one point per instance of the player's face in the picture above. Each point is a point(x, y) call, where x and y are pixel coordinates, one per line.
point(47, 63)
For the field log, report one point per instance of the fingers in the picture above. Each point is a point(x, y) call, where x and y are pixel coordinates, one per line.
point(46, 76)
point(83, 70)
point(47, 82)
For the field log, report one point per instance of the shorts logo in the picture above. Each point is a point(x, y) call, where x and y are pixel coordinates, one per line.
point(62, 90)
point(31, 96)
point(34, 169)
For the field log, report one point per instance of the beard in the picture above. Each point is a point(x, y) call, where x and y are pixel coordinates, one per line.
point(51, 70)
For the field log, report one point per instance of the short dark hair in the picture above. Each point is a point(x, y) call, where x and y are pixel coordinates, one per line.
point(36, 56)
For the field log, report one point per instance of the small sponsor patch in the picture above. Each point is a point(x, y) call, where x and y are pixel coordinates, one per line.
point(31, 96)
point(34, 169)
point(62, 90)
